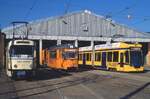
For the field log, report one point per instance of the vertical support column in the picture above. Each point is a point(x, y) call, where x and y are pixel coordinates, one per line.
point(40, 51)
point(58, 42)
point(148, 55)
point(2, 47)
point(3, 51)
point(93, 53)
point(76, 43)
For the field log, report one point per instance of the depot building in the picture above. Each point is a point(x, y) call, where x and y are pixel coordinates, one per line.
point(82, 28)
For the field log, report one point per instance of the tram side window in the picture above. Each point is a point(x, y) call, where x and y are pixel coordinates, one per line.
point(115, 58)
point(109, 57)
point(89, 56)
point(97, 56)
point(80, 57)
point(52, 54)
point(127, 56)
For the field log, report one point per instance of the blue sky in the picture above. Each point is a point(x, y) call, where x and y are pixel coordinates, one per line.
point(30, 10)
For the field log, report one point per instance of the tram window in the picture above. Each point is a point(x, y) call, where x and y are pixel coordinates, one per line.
point(97, 56)
point(80, 56)
point(109, 57)
point(115, 58)
point(127, 56)
point(52, 54)
point(69, 54)
point(89, 56)
point(22, 50)
point(121, 59)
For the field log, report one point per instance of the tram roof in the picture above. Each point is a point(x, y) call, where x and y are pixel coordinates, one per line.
point(22, 42)
point(110, 46)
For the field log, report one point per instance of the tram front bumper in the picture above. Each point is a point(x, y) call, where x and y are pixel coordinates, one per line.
point(21, 65)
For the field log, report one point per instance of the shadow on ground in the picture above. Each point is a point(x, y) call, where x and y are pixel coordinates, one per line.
point(45, 74)
point(128, 96)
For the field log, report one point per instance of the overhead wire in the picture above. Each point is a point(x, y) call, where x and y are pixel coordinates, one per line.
point(126, 8)
point(144, 18)
point(141, 21)
point(30, 9)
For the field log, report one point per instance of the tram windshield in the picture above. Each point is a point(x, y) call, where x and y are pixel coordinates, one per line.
point(69, 54)
point(18, 50)
point(136, 58)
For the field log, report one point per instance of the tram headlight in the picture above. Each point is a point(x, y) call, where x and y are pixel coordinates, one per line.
point(15, 66)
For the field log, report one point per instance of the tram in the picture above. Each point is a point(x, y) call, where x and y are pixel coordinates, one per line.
point(119, 56)
point(63, 57)
point(20, 56)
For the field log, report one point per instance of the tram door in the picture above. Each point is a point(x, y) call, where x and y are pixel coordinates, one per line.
point(84, 59)
point(103, 59)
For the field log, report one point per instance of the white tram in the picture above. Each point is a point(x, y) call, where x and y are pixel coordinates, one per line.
point(20, 58)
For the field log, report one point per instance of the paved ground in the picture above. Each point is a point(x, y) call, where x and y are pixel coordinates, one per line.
point(84, 84)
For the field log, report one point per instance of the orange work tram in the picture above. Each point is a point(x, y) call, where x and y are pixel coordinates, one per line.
point(60, 57)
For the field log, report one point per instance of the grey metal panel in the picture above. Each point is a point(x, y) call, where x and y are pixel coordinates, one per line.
point(125, 39)
point(81, 24)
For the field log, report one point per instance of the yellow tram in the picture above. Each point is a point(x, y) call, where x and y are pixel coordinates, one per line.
point(114, 56)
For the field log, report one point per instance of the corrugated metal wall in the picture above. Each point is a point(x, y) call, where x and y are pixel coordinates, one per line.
point(82, 23)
